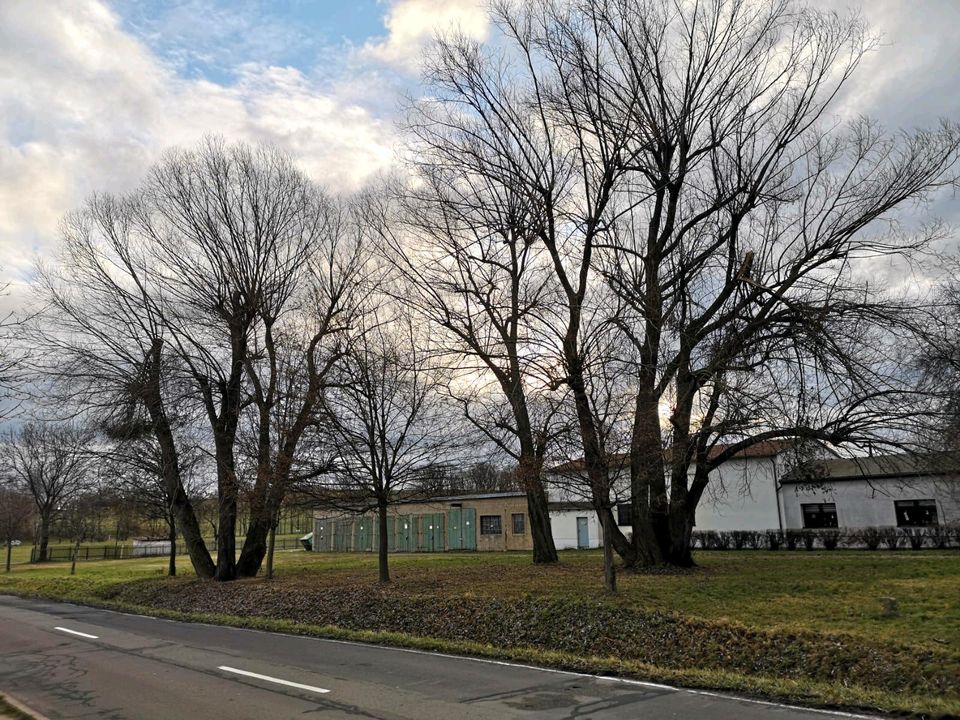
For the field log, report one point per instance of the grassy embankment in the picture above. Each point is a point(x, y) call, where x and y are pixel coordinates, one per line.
point(802, 626)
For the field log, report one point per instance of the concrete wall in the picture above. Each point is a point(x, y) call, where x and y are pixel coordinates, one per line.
point(564, 526)
point(864, 503)
point(741, 495)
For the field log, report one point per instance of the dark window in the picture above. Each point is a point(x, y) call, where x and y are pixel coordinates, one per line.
point(819, 515)
point(916, 513)
point(490, 525)
point(624, 514)
point(519, 523)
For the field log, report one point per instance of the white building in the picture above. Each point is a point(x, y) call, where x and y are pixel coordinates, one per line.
point(757, 490)
point(884, 491)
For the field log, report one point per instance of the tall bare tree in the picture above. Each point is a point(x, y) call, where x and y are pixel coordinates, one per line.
point(689, 183)
point(230, 228)
point(465, 244)
point(293, 357)
point(16, 511)
point(51, 463)
point(387, 421)
point(100, 343)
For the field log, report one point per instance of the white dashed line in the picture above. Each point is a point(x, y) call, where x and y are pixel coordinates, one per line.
point(278, 681)
point(77, 633)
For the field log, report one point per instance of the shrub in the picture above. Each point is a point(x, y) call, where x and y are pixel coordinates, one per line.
point(774, 540)
point(869, 536)
point(891, 537)
point(940, 536)
point(723, 540)
point(793, 538)
point(809, 539)
point(746, 539)
point(916, 537)
point(830, 539)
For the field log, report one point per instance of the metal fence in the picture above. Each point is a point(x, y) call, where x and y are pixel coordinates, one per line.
point(128, 552)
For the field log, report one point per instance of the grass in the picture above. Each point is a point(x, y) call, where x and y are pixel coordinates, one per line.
point(799, 625)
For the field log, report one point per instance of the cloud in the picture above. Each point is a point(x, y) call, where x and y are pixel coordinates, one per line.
point(86, 106)
point(411, 25)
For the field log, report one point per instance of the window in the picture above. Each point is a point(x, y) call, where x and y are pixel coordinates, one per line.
point(519, 523)
point(916, 513)
point(819, 515)
point(490, 525)
point(624, 514)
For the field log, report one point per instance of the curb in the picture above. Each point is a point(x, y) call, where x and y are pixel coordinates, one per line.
point(20, 707)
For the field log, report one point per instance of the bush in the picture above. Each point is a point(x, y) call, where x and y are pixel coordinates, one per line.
point(746, 539)
point(829, 539)
point(792, 538)
point(940, 536)
point(723, 540)
point(869, 536)
point(916, 537)
point(891, 537)
point(809, 539)
point(774, 540)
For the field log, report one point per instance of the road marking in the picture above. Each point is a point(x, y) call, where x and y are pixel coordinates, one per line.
point(78, 633)
point(278, 681)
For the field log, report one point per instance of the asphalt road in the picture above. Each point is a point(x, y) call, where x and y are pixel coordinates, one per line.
point(67, 661)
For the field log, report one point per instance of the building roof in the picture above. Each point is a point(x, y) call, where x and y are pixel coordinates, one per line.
point(474, 496)
point(901, 465)
point(762, 449)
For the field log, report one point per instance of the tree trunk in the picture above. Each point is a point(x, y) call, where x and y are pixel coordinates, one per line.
point(44, 537)
point(227, 506)
point(271, 549)
point(538, 510)
point(609, 571)
point(263, 522)
point(172, 561)
point(9, 552)
point(383, 549)
point(186, 517)
point(73, 563)
point(227, 536)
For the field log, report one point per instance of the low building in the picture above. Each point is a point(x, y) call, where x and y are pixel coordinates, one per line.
point(880, 491)
point(489, 521)
point(756, 490)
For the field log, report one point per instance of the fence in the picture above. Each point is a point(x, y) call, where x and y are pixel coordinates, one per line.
point(101, 552)
point(128, 552)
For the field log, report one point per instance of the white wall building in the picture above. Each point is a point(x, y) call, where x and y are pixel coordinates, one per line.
point(757, 491)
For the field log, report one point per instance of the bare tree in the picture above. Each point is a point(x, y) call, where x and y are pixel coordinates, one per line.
point(16, 511)
point(690, 185)
point(292, 358)
point(213, 244)
point(466, 245)
point(51, 463)
point(387, 421)
point(100, 344)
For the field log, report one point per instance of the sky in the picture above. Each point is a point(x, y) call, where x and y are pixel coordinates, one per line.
point(92, 91)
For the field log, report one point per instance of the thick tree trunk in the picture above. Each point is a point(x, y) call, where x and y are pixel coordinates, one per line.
point(227, 491)
point(383, 549)
point(180, 504)
point(227, 536)
point(538, 510)
point(263, 520)
point(271, 549)
point(254, 544)
point(44, 537)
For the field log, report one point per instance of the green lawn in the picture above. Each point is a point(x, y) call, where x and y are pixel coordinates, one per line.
point(790, 609)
